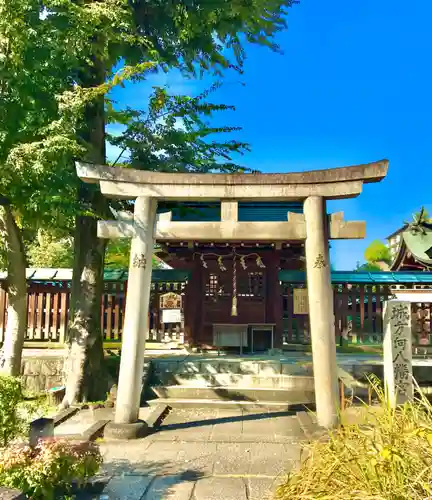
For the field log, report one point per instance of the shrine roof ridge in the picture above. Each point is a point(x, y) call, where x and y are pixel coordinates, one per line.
point(366, 173)
point(285, 275)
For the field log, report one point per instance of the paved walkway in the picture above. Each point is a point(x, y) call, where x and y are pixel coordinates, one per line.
point(205, 455)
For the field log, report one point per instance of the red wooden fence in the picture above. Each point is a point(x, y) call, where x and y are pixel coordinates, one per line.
point(48, 312)
point(358, 314)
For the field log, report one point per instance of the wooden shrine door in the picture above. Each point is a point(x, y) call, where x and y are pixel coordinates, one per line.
point(251, 296)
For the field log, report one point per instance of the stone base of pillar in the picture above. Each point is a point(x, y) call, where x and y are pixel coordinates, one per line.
point(134, 430)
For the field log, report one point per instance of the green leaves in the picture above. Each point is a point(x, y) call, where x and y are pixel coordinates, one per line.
point(118, 253)
point(377, 251)
point(201, 35)
point(175, 135)
point(50, 250)
point(50, 51)
point(50, 468)
point(11, 424)
point(46, 49)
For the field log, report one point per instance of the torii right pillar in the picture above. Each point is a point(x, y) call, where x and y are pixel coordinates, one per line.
point(321, 312)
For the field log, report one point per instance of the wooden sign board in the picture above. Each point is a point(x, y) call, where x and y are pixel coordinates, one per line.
point(301, 305)
point(171, 316)
point(170, 301)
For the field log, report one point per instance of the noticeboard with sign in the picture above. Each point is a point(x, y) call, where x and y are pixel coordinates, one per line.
point(171, 316)
point(301, 305)
point(170, 301)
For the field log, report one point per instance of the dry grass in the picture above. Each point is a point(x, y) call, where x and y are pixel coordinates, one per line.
point(386, 457)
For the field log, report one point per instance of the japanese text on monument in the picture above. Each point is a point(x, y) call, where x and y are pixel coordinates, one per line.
point(400, 327)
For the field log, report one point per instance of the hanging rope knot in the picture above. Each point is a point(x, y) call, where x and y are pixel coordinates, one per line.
point(234, 284)
point(221, 264)
point(259, 262)
point(204, 263)
point(242, 259)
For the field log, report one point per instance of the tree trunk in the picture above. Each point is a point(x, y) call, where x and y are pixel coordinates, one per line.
point(87, 379)
point(11, 353)
point(86, 376)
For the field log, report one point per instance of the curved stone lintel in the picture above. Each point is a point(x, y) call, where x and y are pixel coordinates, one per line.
point(369, 172)
point(215, 192)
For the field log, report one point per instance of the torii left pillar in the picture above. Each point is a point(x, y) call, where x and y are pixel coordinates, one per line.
point(126, 424)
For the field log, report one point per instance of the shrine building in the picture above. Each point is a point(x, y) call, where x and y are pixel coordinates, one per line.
point(233, 295)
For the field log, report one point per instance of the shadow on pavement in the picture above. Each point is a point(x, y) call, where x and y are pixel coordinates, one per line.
point(121, 479)
point(224, 420)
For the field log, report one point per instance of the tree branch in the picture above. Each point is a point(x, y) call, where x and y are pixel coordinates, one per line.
point(193, 101)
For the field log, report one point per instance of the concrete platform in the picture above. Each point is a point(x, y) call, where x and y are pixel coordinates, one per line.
point(81, 422)
point(205, 455)
point(294, 395)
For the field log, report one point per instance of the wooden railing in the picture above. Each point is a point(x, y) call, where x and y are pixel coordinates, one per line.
point(422, 324)
point(48, 313)
point(358, 313)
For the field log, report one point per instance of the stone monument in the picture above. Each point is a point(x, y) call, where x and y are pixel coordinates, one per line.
point(398, 377)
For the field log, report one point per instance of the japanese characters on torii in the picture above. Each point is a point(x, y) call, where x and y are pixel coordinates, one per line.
point(398, 352)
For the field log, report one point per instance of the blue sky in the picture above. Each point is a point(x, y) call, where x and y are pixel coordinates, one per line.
point(353, 86)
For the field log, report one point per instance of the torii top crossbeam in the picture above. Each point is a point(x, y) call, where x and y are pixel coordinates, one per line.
point(125, 183)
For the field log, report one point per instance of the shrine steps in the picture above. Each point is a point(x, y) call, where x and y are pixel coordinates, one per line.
point(219, 404)
point(233, 395)
point(274, 382)
point(224, 382)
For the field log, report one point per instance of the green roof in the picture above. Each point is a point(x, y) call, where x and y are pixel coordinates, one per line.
point(158, 275)
point(269, 211)
point(419, 243)
point(364, 277)
point(178, 275)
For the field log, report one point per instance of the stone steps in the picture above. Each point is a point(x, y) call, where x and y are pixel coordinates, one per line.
point(273, 381)
point(234, 393)
point(220, 404)
point(228, 382)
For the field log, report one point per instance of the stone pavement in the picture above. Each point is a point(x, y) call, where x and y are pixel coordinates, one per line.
point(205, 455)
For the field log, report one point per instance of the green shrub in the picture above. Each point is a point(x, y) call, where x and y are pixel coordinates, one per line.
point(16, 412)
point(12, 424)
point(51, 467)
point(388, 457)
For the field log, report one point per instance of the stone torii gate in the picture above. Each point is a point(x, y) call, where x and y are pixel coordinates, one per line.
point(315, 227)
